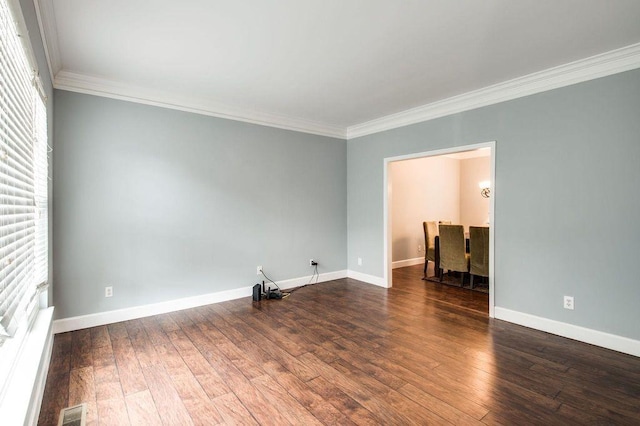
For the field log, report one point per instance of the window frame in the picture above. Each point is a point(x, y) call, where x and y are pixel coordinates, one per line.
point(12, 347)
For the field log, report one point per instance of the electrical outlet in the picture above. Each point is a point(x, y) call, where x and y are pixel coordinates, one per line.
point(419, 248)
point(568, 302)
point(359, 261)
point(108, 291)
point(259, 270)
point(312, 262)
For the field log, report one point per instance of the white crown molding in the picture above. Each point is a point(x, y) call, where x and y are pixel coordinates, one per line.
point(49, 33)
point(582, 334)
point(602, 65)
point(81, 83)
point(608, 63)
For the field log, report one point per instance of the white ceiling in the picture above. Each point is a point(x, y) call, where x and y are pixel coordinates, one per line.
point(323, 66)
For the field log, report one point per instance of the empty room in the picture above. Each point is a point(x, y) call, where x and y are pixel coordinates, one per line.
point(319, 212)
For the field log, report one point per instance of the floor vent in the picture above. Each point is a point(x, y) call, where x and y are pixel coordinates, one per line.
point(73, 416)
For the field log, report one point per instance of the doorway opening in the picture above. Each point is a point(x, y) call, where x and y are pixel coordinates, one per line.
point(444, 191)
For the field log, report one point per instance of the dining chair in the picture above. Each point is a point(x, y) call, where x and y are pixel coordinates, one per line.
point(479, 251)
point(453, 256)
point(430, 232)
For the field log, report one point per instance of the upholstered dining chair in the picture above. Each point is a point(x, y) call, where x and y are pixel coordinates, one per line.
point(479, 251)
point(453, 256)
point(430, 232)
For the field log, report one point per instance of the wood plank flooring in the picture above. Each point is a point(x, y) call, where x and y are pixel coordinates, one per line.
point(341, 352)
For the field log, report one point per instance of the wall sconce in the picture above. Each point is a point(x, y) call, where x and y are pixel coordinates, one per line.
point(485, 188)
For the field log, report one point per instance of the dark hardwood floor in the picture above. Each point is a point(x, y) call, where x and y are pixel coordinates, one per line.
point(442, 293)
point(341, 352)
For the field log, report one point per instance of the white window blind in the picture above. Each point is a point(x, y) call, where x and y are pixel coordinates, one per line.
point(23, 181)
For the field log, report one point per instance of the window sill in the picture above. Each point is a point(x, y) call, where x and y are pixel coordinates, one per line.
point(21, 401)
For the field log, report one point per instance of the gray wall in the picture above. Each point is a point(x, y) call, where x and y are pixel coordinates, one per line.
point(566, 209)
point(163, 204)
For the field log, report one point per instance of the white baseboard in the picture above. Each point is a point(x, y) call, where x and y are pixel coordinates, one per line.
point(297, 282)
point(407, 262)
point(582, 334)
point(369, 279)
point(110, 317)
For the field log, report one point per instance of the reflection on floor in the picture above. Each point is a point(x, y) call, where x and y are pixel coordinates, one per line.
point(341, 352)
point(443, 293)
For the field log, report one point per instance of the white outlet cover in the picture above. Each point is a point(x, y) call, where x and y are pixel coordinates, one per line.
point(359, 261)
point(568, 302)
